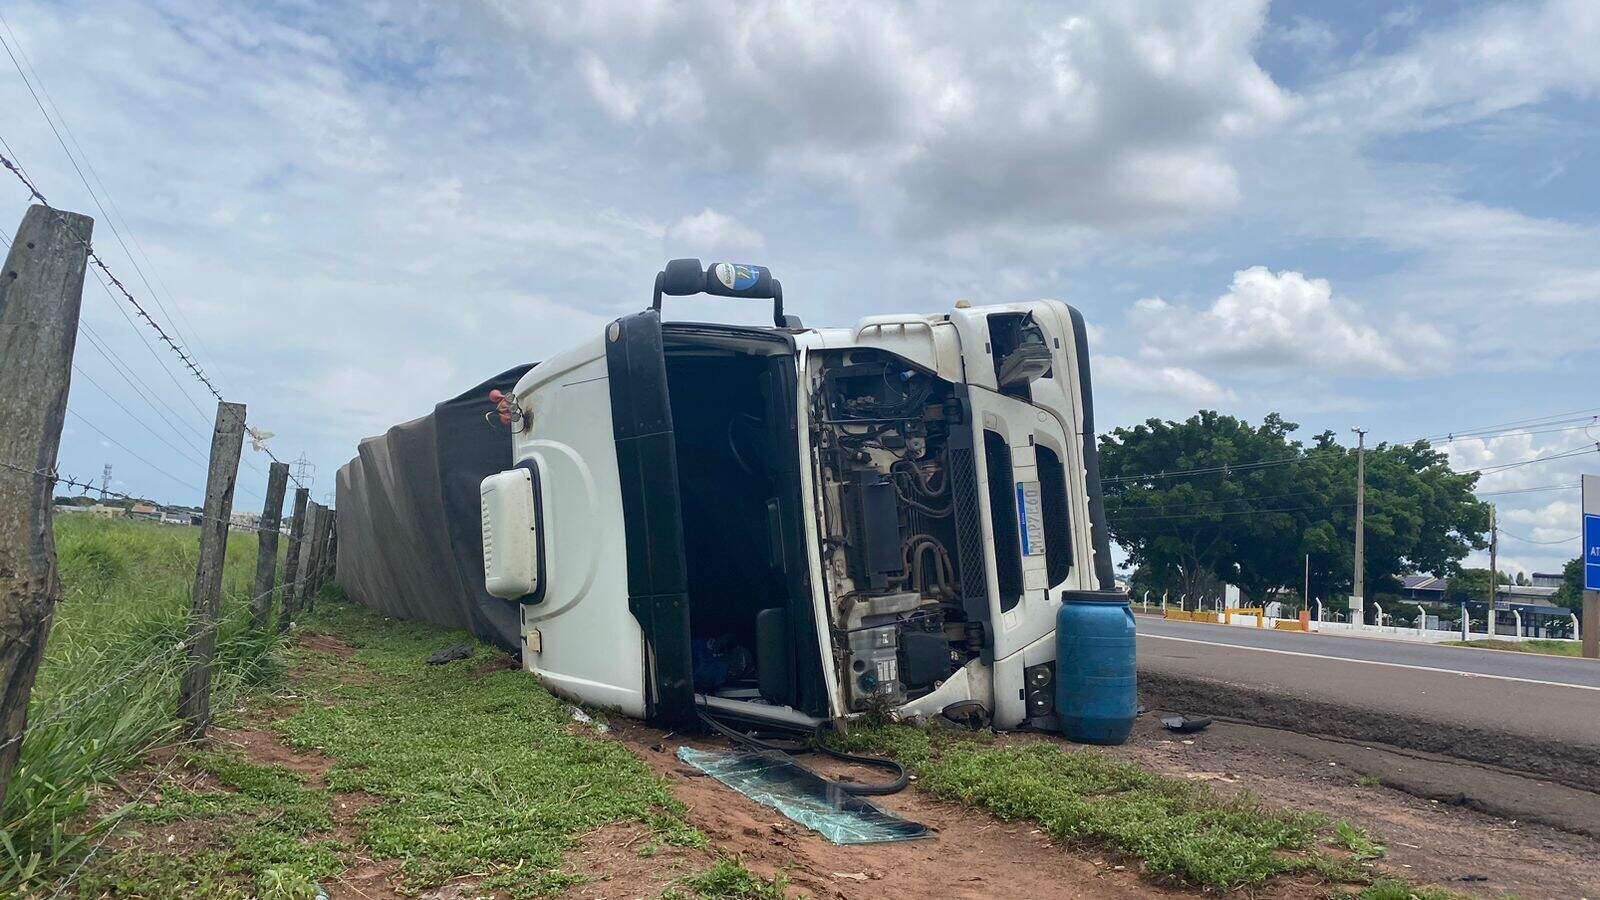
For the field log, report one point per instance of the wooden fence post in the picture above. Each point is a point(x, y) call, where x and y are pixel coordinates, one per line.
point(319, 548)
point(41, 291)
point(325, 546)
point(302, 570)
point(194, 695)
point(291, 562)
point(267, 552)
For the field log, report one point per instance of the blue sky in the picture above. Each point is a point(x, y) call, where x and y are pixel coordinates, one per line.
point(1353, 213)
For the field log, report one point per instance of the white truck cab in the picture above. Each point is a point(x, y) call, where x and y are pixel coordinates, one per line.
point(785, 524)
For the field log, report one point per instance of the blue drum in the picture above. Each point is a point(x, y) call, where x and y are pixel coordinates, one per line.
point(1096, 693)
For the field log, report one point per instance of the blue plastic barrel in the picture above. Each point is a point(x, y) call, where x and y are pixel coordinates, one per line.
point(1096, 695)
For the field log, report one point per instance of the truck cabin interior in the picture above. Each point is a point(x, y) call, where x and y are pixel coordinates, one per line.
point(732, 397)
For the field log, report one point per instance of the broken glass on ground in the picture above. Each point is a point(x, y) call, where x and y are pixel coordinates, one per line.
point(774, 779)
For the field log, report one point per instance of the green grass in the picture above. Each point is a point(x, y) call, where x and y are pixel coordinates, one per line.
point(107, 686)
point(477, 770)
point(264, 837)
point(1183, 831)
point(728, 879)
point(1357, 840)
point(1549, 648)
point(1389, 889)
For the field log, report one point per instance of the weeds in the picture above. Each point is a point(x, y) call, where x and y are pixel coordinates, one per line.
point(107, 687)
point(1358, 841)
point(728, 879)
point(506, 796)
point(1183, 831)
point(1550, 648)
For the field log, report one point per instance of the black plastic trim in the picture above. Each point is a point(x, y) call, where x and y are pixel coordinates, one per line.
point(647, 469)
point(1099, 534)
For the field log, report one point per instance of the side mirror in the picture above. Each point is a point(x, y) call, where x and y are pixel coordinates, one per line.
point(685, 277)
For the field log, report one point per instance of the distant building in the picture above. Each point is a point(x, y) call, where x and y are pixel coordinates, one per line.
point(1545, 579)
point(107, 512)
point(1540, 617)
point(141, 510)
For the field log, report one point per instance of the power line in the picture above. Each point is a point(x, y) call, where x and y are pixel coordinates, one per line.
point(1527, 422)
point(94, 258)
point(157, 435)
point(51, 121)
point(130, 452)
point(1525, 540)
point(148, 394)
point(182, 318)
point(1531, 490)
point(1237, 512)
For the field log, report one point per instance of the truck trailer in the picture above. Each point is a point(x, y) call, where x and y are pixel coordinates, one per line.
point(786, 525)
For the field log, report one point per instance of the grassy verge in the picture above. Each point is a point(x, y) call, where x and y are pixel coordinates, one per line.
point(107, 686)
point(1549, 648)
point(1184, 832)
point(467, 770)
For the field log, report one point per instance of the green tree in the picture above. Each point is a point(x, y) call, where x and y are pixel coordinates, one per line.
point(1570, 594)
point(1214, 497)
point(1471, 585)
point(1421, 516)
point(1223, 522)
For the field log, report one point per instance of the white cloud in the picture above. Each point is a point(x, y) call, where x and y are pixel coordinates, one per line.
point(711, 235)
point(1497, 58)
point(1170, 384)
point(1279, 321)
point(964, 119)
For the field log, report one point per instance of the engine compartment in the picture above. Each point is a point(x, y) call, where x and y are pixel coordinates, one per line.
point(892, 442)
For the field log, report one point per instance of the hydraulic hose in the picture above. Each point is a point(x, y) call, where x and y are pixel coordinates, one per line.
point(818, 744)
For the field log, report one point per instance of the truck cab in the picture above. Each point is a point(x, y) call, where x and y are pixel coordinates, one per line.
point(788, 525)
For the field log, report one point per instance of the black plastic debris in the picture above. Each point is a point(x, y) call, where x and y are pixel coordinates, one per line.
point(1185, 724)
point(450, 654)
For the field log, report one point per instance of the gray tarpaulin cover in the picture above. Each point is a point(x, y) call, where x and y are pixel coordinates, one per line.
point(774, 779)
point(409, 526)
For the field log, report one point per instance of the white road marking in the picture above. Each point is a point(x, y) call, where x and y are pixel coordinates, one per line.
point(1372, 662)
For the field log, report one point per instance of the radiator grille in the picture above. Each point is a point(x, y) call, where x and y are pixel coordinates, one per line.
point(969, 532)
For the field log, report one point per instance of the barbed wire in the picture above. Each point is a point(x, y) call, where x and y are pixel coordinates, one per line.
point(87, 486)
point(247, 607)
point(178, 349)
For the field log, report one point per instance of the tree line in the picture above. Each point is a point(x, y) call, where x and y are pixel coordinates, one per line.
point(1214, 499)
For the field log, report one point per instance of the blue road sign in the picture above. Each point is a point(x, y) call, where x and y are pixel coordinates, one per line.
point(1591, 552)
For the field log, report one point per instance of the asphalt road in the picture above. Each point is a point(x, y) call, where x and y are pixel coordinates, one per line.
point(1520, 711)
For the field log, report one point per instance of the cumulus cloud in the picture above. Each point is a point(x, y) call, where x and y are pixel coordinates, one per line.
point(1170, 384)
point(1278, 320)
point(960, 119)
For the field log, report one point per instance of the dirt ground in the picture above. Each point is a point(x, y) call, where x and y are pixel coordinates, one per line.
point(970, 855)
point(1440, 838)
point(1429, 810)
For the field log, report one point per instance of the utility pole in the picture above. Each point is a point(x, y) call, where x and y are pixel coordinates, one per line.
point(1305, 596)
point(1356, 595)
point(1494, 577)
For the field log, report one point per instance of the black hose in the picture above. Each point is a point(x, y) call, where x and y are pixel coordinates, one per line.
point(817, 744)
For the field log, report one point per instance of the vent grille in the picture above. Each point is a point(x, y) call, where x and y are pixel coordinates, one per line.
point(969, 531)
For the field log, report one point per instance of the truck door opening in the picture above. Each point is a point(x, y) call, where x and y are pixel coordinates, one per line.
point(732, 400)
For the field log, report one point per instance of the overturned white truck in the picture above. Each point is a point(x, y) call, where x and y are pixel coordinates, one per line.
point(786, 524)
